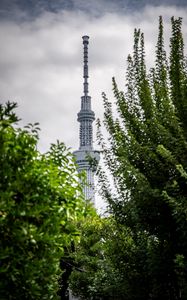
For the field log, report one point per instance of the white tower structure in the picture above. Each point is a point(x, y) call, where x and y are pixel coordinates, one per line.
point(86, 117)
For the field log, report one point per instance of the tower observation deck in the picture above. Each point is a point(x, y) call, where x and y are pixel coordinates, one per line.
point(86, 117)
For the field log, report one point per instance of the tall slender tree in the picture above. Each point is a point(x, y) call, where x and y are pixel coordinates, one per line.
point(146, 154)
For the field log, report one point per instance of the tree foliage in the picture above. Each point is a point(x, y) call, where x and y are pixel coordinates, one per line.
point(146, 154)
point(40, 201)
point(95, 276)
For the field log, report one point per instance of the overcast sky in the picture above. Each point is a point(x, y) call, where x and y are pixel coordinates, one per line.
point(41, 55)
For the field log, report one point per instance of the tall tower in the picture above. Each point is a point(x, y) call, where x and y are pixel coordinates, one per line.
point(86, 117)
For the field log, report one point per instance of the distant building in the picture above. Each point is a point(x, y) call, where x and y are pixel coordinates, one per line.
point(86, 117)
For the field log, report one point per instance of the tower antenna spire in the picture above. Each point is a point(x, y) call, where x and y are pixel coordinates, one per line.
point(85, 67)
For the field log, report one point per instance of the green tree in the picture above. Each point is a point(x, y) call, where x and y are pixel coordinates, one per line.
point(95, 276)
point(40, 201)
point(146, 154)
point(86, 257)
point(110, 261)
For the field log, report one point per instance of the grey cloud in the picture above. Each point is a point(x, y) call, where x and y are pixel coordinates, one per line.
point(22, 10)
